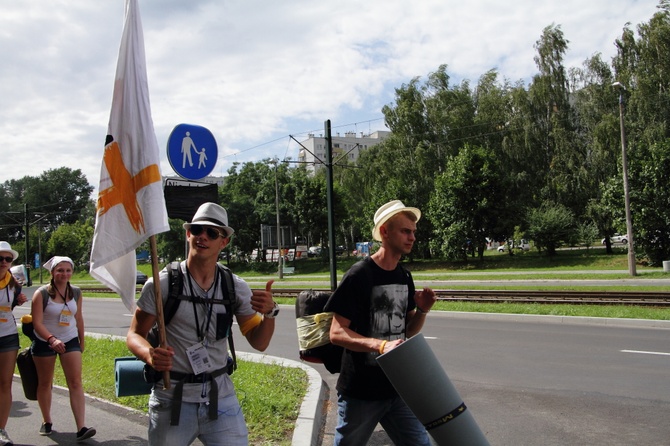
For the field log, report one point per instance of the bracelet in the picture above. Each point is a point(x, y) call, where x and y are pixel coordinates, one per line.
point(49, 338)
point(420, 311)
point(381, 347)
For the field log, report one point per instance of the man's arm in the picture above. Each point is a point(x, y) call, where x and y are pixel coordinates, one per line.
point(342, 335)
point(257, 329)
point(424, 299)
point(136, 340)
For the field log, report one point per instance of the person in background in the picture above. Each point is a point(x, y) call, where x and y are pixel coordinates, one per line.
point(10, 297)
point(201, 401)
point(375, 309)
point(59, 330)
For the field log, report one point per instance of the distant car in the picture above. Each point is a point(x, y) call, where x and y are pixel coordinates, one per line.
point(314, 251)
point(517, 244)
point(141, 278)
point(617, 238)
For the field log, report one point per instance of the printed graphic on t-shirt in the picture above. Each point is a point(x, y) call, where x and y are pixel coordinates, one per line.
point(387, 311)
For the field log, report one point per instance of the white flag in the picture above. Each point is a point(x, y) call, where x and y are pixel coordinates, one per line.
point(131, 205)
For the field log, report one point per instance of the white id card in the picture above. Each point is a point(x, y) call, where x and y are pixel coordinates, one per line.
point(199, 358)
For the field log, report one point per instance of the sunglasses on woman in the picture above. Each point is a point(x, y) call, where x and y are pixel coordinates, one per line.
point(7, 259)
point(212, 233)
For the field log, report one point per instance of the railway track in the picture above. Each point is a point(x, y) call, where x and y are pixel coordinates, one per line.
point(642, 298)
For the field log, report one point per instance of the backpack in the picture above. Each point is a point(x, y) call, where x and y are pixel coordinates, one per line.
point(314, 330)
point(27, 327)
point(224, 322)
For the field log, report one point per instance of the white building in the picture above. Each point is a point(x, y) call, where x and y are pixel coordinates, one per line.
point(347, 147)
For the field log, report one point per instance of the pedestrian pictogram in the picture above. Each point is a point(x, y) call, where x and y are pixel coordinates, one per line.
point(192, 151)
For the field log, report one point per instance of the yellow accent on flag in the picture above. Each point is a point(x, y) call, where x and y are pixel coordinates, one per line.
point(131, 206)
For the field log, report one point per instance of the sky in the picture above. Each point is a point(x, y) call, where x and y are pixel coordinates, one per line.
point(254, 72)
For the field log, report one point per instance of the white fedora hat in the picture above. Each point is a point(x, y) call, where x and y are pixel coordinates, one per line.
point(211, 214)
point(6, 247)
point(388, 210)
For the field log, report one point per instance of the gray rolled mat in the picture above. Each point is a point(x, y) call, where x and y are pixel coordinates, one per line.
point(129, 377)
point(422, 383)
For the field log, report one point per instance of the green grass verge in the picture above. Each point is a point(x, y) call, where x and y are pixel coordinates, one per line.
point(270, 395)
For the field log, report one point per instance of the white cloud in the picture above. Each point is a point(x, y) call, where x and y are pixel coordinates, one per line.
point(256, 71)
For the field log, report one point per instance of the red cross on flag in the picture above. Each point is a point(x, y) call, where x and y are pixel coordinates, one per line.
point(131, 206)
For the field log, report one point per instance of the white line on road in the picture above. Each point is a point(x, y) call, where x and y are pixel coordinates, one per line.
point(646, 353)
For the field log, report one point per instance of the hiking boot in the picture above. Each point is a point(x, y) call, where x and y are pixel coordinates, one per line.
point(85, 433)
point(46, 429)
point(4, 438)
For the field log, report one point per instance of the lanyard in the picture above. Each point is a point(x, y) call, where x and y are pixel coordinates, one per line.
point(202, 331)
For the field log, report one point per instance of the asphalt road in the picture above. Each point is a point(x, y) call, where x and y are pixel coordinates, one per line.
point(527, 380)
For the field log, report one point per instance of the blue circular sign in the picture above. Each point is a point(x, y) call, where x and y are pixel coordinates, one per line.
point(192, 151)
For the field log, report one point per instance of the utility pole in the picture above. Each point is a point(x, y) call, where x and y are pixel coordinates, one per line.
point(27, 259)
point(331, 219)
point(280, 271)
point(626, 189)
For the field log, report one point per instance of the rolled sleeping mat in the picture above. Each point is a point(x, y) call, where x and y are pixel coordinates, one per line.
point(422, 383)
point(129, 377)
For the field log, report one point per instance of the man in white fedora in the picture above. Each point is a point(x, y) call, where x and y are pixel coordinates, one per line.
point(376, 308)
point(201, 402)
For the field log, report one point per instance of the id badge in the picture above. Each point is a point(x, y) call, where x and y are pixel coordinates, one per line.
point(65, 318)
point(199, 358)
point(5, 311)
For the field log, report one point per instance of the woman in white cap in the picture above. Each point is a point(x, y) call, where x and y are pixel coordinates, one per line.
point(10, 296)
point(59, 330)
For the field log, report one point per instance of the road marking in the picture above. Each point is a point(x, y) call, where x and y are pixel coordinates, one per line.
point(646, 353)
point(430, 337)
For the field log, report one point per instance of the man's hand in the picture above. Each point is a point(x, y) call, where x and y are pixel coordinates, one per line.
point(261, 300)
point(161, 358)
point(425, 299)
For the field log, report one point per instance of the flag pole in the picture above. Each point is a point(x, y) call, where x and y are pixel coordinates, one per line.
point(160, 319)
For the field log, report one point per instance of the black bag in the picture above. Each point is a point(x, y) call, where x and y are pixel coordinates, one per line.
point(28, 372)
point(313, 331)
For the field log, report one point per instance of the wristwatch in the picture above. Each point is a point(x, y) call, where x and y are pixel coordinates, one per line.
point(272, 313)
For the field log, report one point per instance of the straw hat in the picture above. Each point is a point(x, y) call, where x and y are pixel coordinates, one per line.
point(385, 212)
point(6, 247)
point(211, 214)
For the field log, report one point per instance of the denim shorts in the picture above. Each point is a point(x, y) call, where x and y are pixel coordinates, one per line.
point(229, 429)
point(9, 343)
point(41, 348)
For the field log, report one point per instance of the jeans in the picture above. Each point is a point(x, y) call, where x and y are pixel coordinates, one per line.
point(229, 429)
point(357, 420)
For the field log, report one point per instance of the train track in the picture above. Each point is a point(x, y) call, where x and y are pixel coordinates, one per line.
point(641, 298)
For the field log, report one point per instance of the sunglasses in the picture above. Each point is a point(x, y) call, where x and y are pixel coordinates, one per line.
point(212, 233)
point(7, 259)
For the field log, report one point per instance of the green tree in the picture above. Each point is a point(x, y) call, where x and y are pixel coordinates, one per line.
point(72, 240)
point(463, 207)
point(550, 225)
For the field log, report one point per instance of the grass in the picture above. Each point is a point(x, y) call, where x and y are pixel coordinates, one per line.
point(270, 395)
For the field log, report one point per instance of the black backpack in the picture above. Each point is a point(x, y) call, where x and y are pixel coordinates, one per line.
point(224, 322)
point(313, 331)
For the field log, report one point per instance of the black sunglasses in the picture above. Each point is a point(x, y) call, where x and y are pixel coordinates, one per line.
point(7, 259)
point(212, 233)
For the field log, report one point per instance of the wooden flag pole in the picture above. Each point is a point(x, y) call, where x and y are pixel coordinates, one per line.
point(160, 319)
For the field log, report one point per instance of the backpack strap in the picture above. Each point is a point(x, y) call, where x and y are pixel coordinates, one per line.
point(175, 290)
point(229, 301)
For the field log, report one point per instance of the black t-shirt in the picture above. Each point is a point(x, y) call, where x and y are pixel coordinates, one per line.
point(376, 302)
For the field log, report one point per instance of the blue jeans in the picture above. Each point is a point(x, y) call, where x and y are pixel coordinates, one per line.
point(229, 429)
point(357, 419)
